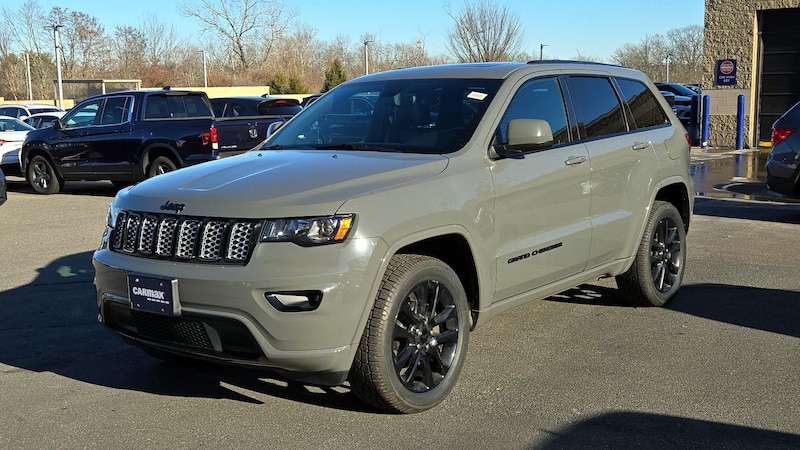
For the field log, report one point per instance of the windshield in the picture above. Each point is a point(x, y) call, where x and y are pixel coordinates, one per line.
point(682, 90)
point(411, 116)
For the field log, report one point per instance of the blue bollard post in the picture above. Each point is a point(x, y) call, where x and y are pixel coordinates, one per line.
point(740, 122)
point(706, 107)
point(694, 120)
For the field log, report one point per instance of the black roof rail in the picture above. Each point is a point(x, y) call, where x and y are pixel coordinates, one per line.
point(570, 61)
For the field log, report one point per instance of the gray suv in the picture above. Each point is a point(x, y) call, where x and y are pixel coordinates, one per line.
point(367, 247)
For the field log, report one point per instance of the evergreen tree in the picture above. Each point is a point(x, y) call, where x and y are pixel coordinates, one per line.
point(334, 76)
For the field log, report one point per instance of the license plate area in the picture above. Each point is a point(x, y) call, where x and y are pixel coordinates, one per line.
point(155, 295)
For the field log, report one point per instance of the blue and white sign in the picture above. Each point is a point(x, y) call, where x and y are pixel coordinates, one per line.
point(726, 72)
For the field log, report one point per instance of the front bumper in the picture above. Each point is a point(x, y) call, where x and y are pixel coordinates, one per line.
point(225, 317)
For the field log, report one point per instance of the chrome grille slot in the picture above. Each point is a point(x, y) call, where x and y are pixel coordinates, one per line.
point(241, 241)
point(213, 235)
point(187, 239)
point(197, 239)
point(147, 235)
point(119, 231)
point(130, 241)
point(166, 237)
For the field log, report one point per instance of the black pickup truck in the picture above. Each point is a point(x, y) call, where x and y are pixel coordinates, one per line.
point(244, 120)
point(124, 137)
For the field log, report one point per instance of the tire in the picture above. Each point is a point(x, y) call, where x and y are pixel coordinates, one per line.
point(42, 177)
point(412, 352)
point(159, 166)
point(121, 184)
point(657, 271)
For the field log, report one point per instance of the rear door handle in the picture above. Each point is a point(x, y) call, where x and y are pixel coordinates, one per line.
point(640, 145)
point(573, 160)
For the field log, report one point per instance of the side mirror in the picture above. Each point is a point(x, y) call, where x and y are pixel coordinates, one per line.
point(525, 135)
point(57, 124)
point(273, 127)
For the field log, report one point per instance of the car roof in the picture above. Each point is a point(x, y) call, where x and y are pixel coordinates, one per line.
point(29, 105)
point(49, 113)
point(490, 70)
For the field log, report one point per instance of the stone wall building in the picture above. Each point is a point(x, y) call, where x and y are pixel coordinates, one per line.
point(760, 39)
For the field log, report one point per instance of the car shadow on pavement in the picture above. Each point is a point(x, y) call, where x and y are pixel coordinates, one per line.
point(85, 188)
point(50, 325)
point(639, 430)
point(771, 310)
point(769, 212)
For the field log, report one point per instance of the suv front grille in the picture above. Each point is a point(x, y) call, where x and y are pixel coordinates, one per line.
point(194, 239)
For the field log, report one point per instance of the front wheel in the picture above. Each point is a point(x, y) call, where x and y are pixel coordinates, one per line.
point(657, 271)
point(160, 165)
point(42, 176)
point(415, 341)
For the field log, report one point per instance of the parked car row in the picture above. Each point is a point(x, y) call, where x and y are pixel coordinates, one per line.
point(12, 134)
point(783, 165)
point(680, 97)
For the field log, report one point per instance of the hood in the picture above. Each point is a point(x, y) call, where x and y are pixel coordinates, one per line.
point(272, 183)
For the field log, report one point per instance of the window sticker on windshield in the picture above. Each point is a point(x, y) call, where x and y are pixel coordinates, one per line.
point(475, 95)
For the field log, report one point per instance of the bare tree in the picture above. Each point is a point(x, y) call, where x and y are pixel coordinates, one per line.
point(249, 28)
point(649, 56)
point(129, 49)
point(686, 53)
point(682, 50)
point(26, 27)
point(484, 30)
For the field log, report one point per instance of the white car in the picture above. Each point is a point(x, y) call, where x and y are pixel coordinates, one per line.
point(12, 135)
point(45, 119)
point(22, 110)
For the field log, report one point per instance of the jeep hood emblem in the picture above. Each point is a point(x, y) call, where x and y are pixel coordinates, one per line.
point(169, 206)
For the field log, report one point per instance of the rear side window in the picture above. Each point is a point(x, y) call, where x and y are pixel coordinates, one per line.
point(537, 99)
point(116, 110)
point(12, 111)
point(597, 106)
point(176, 106)
point(644, 106)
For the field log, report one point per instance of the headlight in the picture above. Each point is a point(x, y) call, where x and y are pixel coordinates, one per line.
point(308, 230)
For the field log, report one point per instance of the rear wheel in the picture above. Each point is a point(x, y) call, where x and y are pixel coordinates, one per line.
point(415, 342)
point(657, 272)
point(159, 166)
point(42, 177)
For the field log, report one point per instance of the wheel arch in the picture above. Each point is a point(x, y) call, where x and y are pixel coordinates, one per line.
point(32, 152)
point(153, 151)
point(455, 251)
point(678, 195)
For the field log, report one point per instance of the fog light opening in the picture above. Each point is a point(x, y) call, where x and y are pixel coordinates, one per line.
point(295, 301)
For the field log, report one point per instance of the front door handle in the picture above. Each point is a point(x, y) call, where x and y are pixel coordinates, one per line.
point(573, 160)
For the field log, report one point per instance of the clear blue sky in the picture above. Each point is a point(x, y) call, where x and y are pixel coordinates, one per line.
point(592, 27)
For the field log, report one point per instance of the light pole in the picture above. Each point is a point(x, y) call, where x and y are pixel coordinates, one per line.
point(205, 73)
point(541, 50)
point(666, 70)
point(56, 26)
point(28, 74)
point(366, 57)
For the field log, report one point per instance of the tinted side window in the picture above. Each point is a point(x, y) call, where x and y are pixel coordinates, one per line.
point(598, 108)
point(646, 110)
point(83, 115)
point(176, 106)
point(116, 110)
point(537, 99)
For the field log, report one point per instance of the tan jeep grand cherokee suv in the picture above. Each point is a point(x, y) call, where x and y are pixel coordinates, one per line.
point(365, 244)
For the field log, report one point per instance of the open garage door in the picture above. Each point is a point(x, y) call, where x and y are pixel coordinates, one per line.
point(779, 86)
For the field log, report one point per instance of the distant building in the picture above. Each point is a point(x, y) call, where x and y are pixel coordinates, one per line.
point(751, 48)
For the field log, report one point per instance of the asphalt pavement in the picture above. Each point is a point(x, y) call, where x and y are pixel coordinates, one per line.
point(716, 368)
